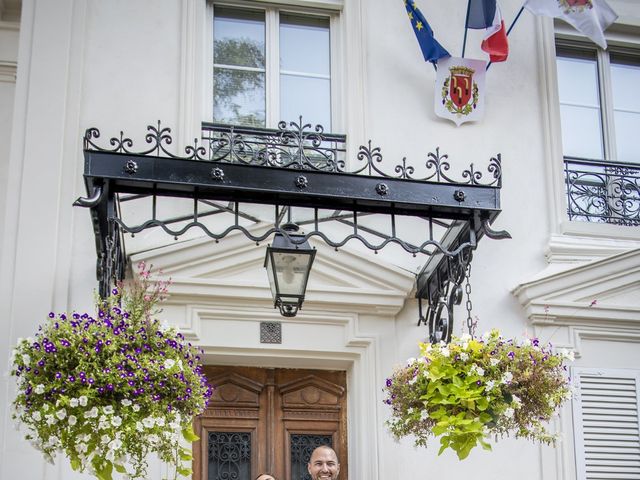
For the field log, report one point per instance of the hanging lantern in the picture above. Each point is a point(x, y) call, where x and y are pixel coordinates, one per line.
point(288, 266)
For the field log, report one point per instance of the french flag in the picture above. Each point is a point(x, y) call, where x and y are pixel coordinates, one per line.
point(486, 14)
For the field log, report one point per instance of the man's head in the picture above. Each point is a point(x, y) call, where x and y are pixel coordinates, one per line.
point(264, 476)
point(323, 464)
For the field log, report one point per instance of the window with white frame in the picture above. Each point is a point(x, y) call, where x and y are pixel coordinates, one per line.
point(271, 64)
point(606, 414)
point(600, 119)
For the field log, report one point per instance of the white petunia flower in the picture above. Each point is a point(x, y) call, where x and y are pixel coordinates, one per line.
point(50, 419)
point(93, 413)
point(39, 389)
point(160, 421)
point(72, 420)
point(494, 362)
point(116, 421)
point(153, 438)
point(136, 408)
point(567, 354)
point(73, 402)
point(148, 422)
point(81, 447)
point(509, 412)
point(464, 356)
point(36, 416)
point(53, 441)
point(115, 444)
point(507, 377)
point(108, 409)
point(126, 402)
point(83, 400)
point(169, 363)
point(61, 414)
point(26, 359)
point(139, 426)
point(104, 439)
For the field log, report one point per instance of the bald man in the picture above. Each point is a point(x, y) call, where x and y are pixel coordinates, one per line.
point(323, 464)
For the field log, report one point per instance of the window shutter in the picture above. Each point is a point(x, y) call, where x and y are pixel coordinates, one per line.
point(606, 428)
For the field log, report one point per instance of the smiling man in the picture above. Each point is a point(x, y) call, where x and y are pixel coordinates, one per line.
point(323, 464)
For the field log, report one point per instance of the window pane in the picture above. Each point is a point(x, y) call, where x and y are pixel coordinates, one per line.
point(309, 97)
point(580, 107)
point(239, 97)
point(627, 132)
point(239, 37)
point(625, 82)
point(581, 132)
point(578, 81)
point(304, 44)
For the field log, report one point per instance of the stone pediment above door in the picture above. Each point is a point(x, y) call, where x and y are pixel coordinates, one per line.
point(604, 291)
point(234, 268)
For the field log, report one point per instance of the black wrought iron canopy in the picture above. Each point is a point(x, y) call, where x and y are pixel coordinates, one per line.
point(293, 166)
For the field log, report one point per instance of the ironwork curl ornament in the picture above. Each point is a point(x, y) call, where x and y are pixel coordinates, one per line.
point(294, 145)
point(447, 294)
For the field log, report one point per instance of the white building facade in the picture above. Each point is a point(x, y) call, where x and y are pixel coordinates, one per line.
point(570, 274)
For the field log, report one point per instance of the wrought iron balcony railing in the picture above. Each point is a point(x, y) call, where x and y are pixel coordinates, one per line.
point(602, 192)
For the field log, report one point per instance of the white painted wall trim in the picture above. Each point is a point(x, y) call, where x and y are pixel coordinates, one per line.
point(8, 71)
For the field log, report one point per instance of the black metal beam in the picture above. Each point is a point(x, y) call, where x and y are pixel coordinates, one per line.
point(138, 174)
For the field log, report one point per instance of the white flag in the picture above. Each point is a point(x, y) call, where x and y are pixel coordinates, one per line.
point(589, 17)
point(459, 89)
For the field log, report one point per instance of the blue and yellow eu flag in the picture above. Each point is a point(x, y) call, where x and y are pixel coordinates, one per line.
point(431, 49)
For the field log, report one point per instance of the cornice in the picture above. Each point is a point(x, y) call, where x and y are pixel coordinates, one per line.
point(8, 71)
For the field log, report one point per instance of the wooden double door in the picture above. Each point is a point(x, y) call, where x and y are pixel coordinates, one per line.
point(269, 420)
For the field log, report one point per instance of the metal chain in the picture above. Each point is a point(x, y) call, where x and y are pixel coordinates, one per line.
point(471, 325)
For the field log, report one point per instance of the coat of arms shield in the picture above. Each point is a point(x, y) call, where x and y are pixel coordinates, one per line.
point(460, 84)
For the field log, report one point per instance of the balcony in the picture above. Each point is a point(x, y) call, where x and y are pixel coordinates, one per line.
point(602, 192)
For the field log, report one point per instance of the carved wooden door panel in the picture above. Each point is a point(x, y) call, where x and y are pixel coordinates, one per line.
point(269, 420)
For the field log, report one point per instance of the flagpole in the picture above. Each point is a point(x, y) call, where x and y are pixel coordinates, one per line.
point(466, 22)
point(509, 30)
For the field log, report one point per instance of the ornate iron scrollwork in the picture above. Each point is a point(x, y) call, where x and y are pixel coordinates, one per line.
point(603, 192)
point(229, 455)
point(302, 445)
point(301, 156)
point(444, 297)
point(296, 145)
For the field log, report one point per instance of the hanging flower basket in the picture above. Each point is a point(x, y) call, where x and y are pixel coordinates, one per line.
point(473, 388)
point(107, 390)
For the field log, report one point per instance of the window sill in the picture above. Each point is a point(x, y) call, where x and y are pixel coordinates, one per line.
point(584, 241)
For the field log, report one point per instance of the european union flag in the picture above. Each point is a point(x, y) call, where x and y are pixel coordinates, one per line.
point(431, 49)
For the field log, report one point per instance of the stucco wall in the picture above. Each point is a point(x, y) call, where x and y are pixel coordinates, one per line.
point(119, 65)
